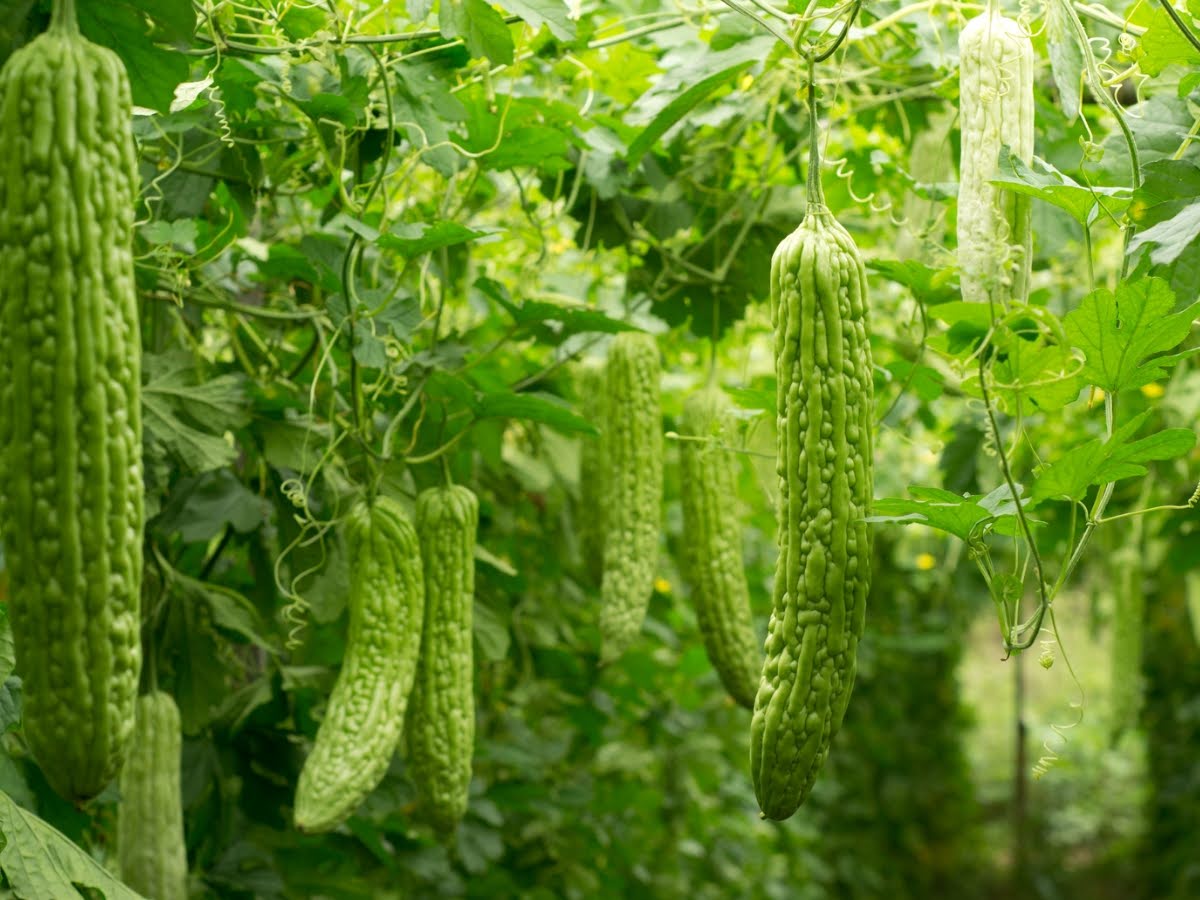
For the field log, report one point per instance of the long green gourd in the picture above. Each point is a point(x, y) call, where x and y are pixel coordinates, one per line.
point(995, 237)
point(365, 716)
point(1128, 636)
point(712, 544)
point(589, 389)
point(151, 851)
point(633, 513)
point(441, 713)
point(70, 413)
point(824, 409)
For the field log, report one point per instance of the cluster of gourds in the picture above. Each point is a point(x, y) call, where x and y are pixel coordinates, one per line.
point(72, 504)
point(71, 479)
point(409, 648)
point(799, 687)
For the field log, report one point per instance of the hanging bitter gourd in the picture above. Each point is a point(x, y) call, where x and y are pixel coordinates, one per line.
point(151, 852)
point(441, 715)
point(589, 389)
point(1128, 630)
point(634, 468)
point(712, 544)
point(995, 238)
point(365, 715)
point(824, 410)
point(70, 407)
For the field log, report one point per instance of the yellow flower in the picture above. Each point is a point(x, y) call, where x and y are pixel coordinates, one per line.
point(925, 561)
point(662, 585)
point(1152, 391)
point(745, 82)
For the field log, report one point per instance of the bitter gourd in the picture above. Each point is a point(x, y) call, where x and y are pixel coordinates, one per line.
point(441, 714)
point(995, 109)
point(589, 388)
point(634, 488)
point(70, 407)
point(151, 852)
point(365, 715)
point(1128, 630)
point(712, 544)
point(824, 410)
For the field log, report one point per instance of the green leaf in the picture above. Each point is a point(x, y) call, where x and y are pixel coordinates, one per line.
point(1162, 45)
point(551, 323)
point(1101, 462)
point(491, 633)
point(175, 18)
point(300, 22)
point(201, 507)
point(551, 13)
point(181, 232)
point(1081, 202)
point(482, 29)
point(8, 656)
point(1120, 333)
point(1171, 237)
point(154, 71)
point(961, 516)
point(418, 238)
point(11, 707)
point(229, 609)
point(182, 415)
point(1066, 59)
point(928, 285)
point(1039, 370)
point(535, 407)
point(38, 861)
point(682, 88)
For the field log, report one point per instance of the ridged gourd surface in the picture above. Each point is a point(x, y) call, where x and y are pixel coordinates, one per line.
point(70, 407)
point(151, 851)
point(712, 544)
point(441, 714)
point(995, 237)
point(824, 409)
point(633, 514)
point(365, 714)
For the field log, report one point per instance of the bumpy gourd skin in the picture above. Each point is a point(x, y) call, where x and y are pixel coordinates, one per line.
point(712, 545)
point(824, 407)
point(365, 716)
point(995, 238)
point(441, 713)
point(589, 388)
point(151, 850)
point(70, 407)
point(633, 512)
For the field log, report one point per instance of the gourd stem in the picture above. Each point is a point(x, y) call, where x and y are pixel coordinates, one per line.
point(62, 18)
point(828, 52)
point(816, 196)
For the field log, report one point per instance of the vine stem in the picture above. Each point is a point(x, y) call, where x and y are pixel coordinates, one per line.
point(1043, 601)
point(837, 42)
point(62, 17)
point(1094, 517)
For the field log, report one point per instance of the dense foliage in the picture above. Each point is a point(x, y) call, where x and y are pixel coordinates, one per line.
point(382, 248)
